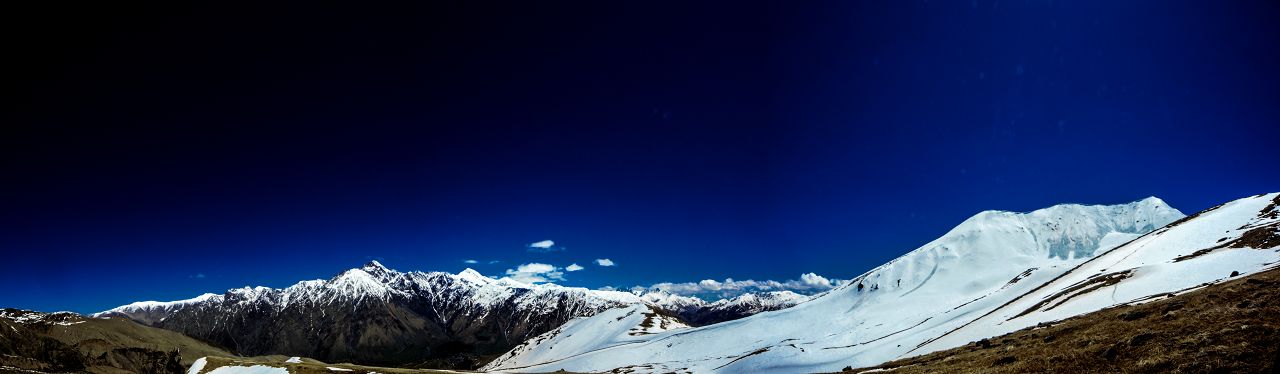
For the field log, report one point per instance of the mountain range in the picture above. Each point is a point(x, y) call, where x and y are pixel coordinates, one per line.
point(380, 316)
point(995, 273)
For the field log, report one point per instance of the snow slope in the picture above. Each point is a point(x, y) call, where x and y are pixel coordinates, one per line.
point(978, 267)
point(1164, 262)
point(609, 328)
point(255, 369)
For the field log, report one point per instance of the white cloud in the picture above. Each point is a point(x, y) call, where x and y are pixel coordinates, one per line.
point(470, 262)
point(544, 246)
point(808, 284)
point(197, 276)
point(604, 262)
point(536, 273)
point(535, 268)
point(814, 280)
point(494, 262)
point(573, 267)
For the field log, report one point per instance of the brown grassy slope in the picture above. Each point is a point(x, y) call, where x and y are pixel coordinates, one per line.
point(125, 333)
point(1232, 327)
point(65, 342)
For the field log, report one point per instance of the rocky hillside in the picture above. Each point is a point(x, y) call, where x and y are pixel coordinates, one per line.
point(67, 342)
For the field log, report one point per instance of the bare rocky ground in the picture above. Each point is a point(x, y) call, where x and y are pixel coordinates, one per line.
point(1231, 327)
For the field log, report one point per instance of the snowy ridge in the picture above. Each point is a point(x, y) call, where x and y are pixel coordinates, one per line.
point(373, 282)
point(963, 286)
point(691, 308)
point(387, 310)
point(761, 302)
point(467, 289)
point(159, 307)
point(372, 313)
point(28, 317)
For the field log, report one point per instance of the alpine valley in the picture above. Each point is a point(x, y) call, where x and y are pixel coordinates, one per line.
point(995, 273)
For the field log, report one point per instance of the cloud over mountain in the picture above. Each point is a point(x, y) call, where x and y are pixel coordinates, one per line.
point(536, 273)
point(808, 283)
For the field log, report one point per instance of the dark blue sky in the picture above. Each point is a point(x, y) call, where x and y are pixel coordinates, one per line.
point(262, 146)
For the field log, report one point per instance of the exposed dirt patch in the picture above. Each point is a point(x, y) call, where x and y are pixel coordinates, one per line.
point(1272, 210)
point(656, 317)
point(1084, 287)
point(1021, 276)
point(1261, 237)
point(1195, 254)
point(756, 352)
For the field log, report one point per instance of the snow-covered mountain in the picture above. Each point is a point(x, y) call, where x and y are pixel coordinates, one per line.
point(698, 312)
point(995, 273)
point(377, 315)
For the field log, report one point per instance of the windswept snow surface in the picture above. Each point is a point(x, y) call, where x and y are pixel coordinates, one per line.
point(609, 328)
point(197, 366)
point(255, 369)
point(987, 261)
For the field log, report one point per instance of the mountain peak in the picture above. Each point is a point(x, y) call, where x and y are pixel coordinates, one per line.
point(474, 276)
point(1153, 200)
point(378, 271)
point(1063, 231)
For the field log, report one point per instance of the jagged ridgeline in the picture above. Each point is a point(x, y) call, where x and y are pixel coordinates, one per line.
point(378, 316)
